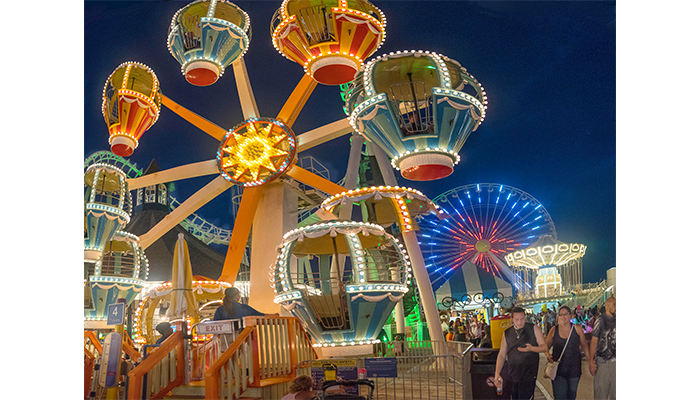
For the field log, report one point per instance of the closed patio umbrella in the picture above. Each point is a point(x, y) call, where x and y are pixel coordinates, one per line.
point(182, 301)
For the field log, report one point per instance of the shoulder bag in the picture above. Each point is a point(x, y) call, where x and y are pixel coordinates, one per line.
point(550, 370)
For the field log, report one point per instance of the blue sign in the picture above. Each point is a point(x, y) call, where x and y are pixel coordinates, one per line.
point(381, 367)
point(115, 314)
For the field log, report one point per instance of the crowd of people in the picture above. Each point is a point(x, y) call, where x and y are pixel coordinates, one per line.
point(518, 362)
point(473, 329)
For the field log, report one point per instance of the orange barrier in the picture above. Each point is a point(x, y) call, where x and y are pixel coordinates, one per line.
point(231, 359)
point(174, 342)
point(87, 376)
point(90, 339)
point(265, 353)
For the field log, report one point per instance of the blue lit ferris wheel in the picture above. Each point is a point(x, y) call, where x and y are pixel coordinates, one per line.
point(487, 221)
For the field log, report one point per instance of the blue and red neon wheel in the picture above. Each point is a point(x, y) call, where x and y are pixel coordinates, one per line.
point(487, 220)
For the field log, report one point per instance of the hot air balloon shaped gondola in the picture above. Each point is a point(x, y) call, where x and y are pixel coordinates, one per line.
point(330, 38)
point(107, 207)
point(344, 282)
point(130, 105)
point(207, 36)
point(121, 272)
point(419, 107)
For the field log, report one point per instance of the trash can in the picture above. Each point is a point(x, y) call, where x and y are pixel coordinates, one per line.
point(482, 368)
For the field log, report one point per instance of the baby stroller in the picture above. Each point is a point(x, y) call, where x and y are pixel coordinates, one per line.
point(345, 396)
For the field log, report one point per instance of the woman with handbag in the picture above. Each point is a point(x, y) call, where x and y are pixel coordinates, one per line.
point(564, 368)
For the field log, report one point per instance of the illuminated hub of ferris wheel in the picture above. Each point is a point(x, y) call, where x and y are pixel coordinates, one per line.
point(487, 221)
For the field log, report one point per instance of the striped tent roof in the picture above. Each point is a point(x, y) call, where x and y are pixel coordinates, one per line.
point(469, 279)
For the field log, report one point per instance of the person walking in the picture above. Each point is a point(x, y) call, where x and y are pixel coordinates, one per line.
point(518, 361)
point(565, 384)
point(602, 360)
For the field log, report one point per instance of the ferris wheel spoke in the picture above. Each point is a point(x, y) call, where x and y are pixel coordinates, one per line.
point(290, 111)
point(192, 204)
point(175, 174)
point(202, 123)
point(241, 231)
point(313, 180)
point(502, 268)
point(245, 91)
point(323, 134)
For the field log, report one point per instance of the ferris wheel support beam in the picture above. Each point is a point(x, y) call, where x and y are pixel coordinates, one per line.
point(290, 111)
point(241, 231)
point(202, 123)
point(192, 204)
point(505, 270)
point(427, 296)
point(245, 91)
point(313, 180)
point(323, 134)
point(389, 180)
point(174, 174)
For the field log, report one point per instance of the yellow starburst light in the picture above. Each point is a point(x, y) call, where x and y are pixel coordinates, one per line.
point(256, 151)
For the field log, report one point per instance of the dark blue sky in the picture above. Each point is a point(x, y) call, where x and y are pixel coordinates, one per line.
point(548, 69)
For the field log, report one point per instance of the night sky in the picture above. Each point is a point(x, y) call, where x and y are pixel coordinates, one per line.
point(548, 69)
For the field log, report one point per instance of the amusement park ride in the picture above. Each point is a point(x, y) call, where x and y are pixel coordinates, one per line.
point(341, 277)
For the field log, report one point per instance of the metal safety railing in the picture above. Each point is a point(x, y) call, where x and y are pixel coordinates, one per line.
point(425, 370)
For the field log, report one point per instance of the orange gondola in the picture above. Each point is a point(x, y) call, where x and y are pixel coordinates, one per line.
point(130, 105)
point(330, 38)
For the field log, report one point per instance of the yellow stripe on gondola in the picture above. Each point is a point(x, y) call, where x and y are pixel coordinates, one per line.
point(369, 45)
point(299, 44)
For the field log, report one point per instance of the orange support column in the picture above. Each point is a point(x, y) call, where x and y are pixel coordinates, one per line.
point(202, 123)
point(241, 230)
point(295, 102)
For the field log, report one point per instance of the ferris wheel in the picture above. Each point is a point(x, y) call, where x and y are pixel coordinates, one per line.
point(487, 220)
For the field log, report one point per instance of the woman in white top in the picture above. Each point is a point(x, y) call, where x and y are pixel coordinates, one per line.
point(301, 389)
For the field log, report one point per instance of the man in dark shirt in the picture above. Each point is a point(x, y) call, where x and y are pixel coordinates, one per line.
point(518, 359)
point(602, 362)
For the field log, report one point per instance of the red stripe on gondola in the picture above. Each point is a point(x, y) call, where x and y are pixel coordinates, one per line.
point(145, 123)
point(130, 120)
point(357, 39)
